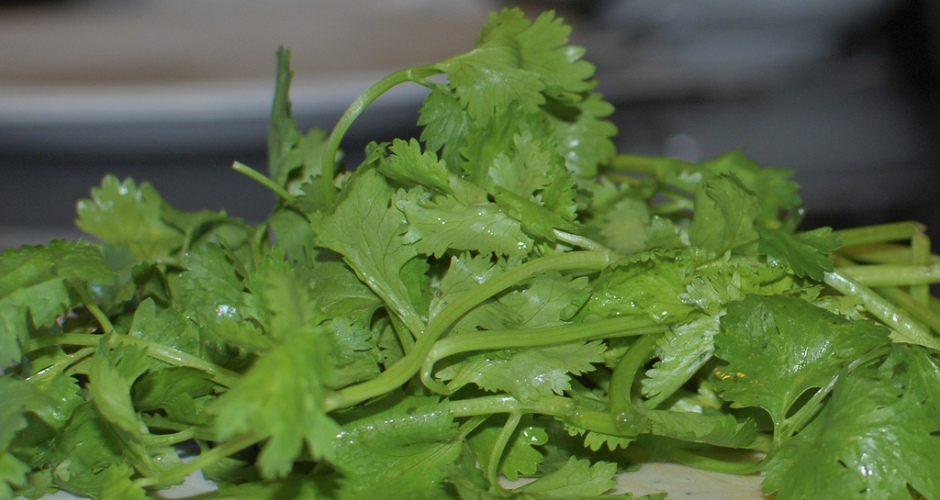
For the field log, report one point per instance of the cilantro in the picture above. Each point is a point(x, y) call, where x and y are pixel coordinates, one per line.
point(503, 297)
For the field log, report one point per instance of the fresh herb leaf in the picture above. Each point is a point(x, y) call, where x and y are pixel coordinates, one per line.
point(779, 347)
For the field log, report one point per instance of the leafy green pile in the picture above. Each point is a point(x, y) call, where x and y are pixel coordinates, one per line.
point(504, 297)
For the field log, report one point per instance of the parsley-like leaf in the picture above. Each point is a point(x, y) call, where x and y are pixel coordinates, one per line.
point(779, 347)
point(122, 212)
point(876, 436)
point(805, 253)
point(367, 229)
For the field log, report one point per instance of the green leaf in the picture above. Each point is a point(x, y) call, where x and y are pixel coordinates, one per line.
point(122, 212)
point(594, 440)
point(772, 186)
point(446, 125)
point(112, 374)
point(547, 299)
point(86, 447)
point(530, 373)
point(725, 212)
point(211, 287)
point(805, 253)
point(779, 347)
point(367, 228)
point(395, 448)
point(282, 133)
point(295, 487)
point(442, 223)
point(174, 391)
point(623, 227)
point(355, 354)
point(583, 135)
point(281, 398)
point(530, 169)
point(877, 435)
point(650, 285)
point(544, 49)
point(166, 327)
point(347, 296)
point(12, 474)
point(34, 288)
point(465, 273)
point(719, 429)
point(490, 76)
point(576, 479)
point(682, 351)
point(116, 484)
point(519, 458)
point(409, 165)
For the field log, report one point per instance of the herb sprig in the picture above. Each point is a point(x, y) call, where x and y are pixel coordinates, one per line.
point(502, 297)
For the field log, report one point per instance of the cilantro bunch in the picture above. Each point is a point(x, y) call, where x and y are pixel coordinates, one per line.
point(502, 298)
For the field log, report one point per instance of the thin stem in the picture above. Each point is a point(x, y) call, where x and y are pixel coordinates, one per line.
point(905, 328)
point(513, 339)
point(917, 309)
point(880, 233)
point(155, 350)
point(621, 384)
point(883, 253)
point(920, 255)
point(560, 407)
point(579, 241)
point(95, 311)
point(205, 459)
point(406, 367)
point(893, 274)
point(499, 447)
point(74, 339)
point(62, 364)
point(686, 457)
point(221, 376)
point(416, 75)
point(170, 439)
point(264, 181)
point(158, 422)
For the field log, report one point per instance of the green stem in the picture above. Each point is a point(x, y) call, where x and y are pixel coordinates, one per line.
point(920, 255)
point(205, 459)
point(579, 241)
point(170, 439)
point(73, 339)
point(416, 75)
point(621, 384)
point(691, 459)
point(174, 357)
point(884, 253)
point(163, 423)
point(880, 233)
point(513, 339)
point(893, 274)
point(155, 350)
point(905, 328)
point(406, 367)
point(917, 309)
point(499, 447)
point(560, 407)
point(95, 311)
point(652, 166)
point(264, 181)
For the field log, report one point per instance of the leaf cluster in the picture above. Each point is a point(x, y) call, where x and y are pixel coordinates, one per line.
point(502, 297)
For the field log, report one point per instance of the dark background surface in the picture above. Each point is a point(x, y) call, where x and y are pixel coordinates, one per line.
point(172, 92)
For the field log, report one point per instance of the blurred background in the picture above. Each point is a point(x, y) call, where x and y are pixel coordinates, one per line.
point(845, 92)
